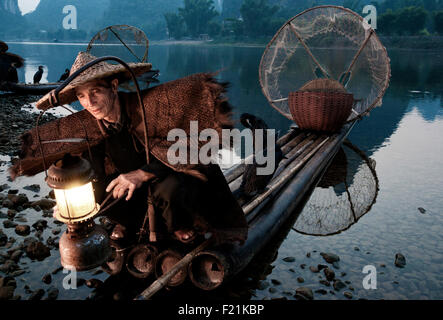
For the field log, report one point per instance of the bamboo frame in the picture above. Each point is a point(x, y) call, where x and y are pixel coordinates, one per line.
point(236, 170)
point(122, 27)
point(256, 202)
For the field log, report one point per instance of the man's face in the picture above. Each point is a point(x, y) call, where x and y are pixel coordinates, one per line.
point(98, 97)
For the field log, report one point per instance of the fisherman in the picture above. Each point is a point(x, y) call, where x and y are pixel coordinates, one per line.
point(9, 62)
point(188, 199)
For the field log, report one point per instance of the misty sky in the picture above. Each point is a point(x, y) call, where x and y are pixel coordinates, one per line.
point(27, 5)
point(30, 5)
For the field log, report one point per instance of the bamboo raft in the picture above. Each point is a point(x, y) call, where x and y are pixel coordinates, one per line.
point(307, 156)
point(43, 88)
point(28, 88)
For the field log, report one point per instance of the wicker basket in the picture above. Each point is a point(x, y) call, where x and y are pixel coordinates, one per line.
point(321, 105)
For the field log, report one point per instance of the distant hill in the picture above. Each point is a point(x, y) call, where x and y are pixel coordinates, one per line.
point(49, 14)
point(10, 6)
point(146, 15)
point(10, 17)
point(45, 22)
point(288, 8)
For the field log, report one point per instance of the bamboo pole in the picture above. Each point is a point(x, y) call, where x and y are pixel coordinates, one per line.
point(305, 145)
point(300, 145)
point(235, 171)
point(278, 183)
point(302, 152)
point(308, 50)
point(234, 183)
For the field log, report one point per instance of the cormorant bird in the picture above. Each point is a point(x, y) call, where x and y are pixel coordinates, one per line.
point(38, 75)
point(64, 76)
point(253, 183)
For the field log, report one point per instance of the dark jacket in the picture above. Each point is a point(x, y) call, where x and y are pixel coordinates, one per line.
point(209, 204)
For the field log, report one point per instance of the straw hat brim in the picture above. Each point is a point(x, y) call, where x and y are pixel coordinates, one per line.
point(68, 95)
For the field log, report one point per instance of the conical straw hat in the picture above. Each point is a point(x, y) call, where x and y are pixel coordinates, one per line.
point(98, 71)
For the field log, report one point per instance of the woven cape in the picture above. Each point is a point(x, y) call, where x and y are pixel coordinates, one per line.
point(172, 105)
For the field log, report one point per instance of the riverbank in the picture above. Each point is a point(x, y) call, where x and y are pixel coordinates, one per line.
point(14, 121)
point(413, 42)
point(434, 43)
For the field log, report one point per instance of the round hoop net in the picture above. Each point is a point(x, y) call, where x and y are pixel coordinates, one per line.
point(326, 42)
point(346, 192)
point(126, 42)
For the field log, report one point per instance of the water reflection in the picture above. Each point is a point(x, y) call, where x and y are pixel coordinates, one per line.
point(346, 192)
point(434, 105)
point(31, 68)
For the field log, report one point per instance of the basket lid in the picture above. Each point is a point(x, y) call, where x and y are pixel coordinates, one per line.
point(324, 46)
point(323, 85)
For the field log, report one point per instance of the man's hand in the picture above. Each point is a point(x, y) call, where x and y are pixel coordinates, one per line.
point(128, 182)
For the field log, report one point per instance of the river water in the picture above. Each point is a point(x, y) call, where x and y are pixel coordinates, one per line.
point(404, 137)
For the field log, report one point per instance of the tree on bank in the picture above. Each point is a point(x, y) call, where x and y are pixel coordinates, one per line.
point(258, 17)
point(197, 14)
point(405, 21)
point(411, 20)
point(176, 25)
point(387, 22)
point(438, 21)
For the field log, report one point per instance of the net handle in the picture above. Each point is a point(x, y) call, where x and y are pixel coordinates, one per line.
point(308, 50)
point(371, 32)
point(121, 26)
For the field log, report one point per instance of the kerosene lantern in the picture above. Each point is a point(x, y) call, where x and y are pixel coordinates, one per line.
point(84, 245)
